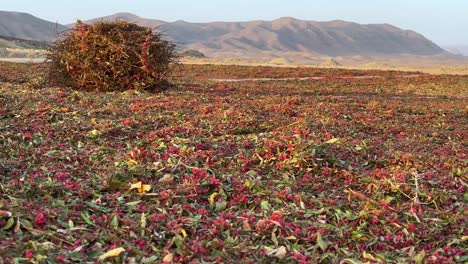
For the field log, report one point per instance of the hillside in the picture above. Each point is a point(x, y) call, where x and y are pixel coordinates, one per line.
point(334, 38)
point(25, 26)
point(457, 50)
point(16, 43)
point(281, 38)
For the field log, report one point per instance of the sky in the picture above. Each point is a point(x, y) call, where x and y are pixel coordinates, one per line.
point(443, 21)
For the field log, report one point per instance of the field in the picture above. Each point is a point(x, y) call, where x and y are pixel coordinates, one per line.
point(352, 167)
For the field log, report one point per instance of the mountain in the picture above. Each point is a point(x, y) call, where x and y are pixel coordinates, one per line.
point(284, 36)
point(16, 43)
point(457, 50)
point(334, 38)
point(26, 26)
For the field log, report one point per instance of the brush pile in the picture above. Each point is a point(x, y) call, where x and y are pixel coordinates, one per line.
point(111, 56)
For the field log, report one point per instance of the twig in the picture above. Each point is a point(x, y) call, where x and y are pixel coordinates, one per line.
point(172, 196)
point(32, 230)
point(365, 198)
point(292, 124)
point(415, 199)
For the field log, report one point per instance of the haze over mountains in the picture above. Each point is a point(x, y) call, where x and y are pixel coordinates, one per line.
point(334, 38)
point(458, 50)
point(25, 26)
point(283, 35)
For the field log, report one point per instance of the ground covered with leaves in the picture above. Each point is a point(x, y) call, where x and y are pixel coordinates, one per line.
point(301, 171)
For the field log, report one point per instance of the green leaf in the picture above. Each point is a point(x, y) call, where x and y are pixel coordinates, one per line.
point(86, 218)
point(356, 234)
point(248, 183)
point(25, 222)
point(70, 224)
point(321, 243)
point(151, 259)
point(265, 205)
point(114, 222)
point(220, 205)
point(9, 223)
point(63, 215)
point(274, 239)
point(133, 203)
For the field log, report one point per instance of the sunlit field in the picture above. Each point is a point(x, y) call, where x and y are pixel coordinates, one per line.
point(320, 166)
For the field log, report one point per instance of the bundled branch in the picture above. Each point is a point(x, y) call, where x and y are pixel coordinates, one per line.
point(111, 56)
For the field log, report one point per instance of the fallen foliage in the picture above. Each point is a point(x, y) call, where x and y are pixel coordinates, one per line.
point(111, 56)
point(314, 171)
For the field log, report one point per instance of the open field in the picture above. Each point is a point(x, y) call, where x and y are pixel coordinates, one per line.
point(431, 65)
point(332, 169)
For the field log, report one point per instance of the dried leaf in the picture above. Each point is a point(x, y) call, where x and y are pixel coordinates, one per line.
point(141, 188)
point(143, 220)
point(168, 258)
point(278, 252)
point(167, 178)
point(111, 254)
point(212, 197)
point(184, 233)
point(246, 225)
point(132, 162)
point(331, 141)
point(94, 133)
point(419, 258)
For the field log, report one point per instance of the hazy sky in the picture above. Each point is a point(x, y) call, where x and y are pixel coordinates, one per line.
point(442, 21)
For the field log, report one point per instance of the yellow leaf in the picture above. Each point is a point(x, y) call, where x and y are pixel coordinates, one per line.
point(141, 188)
point(184, 234)
point(135, 186)
point(112, 253)
point(419, 258)
point(132, 163)
point(94, 133)
point(268, 249)
point(369, 256)
point(212, 197)
point(168, 258)
point(145, 188)
point(331, 141)
point(93, 120)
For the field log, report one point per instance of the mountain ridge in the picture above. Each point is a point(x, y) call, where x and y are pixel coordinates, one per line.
point(286, 34)
point(282, 35)
point(26, 26)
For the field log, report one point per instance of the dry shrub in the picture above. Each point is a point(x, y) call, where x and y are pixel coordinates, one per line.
point(111, 56)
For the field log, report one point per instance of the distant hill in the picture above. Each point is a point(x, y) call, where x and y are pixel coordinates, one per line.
point(284, 35)
point(457, 50)
point(25, 26)
point(334, 38)
point(16, 43)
